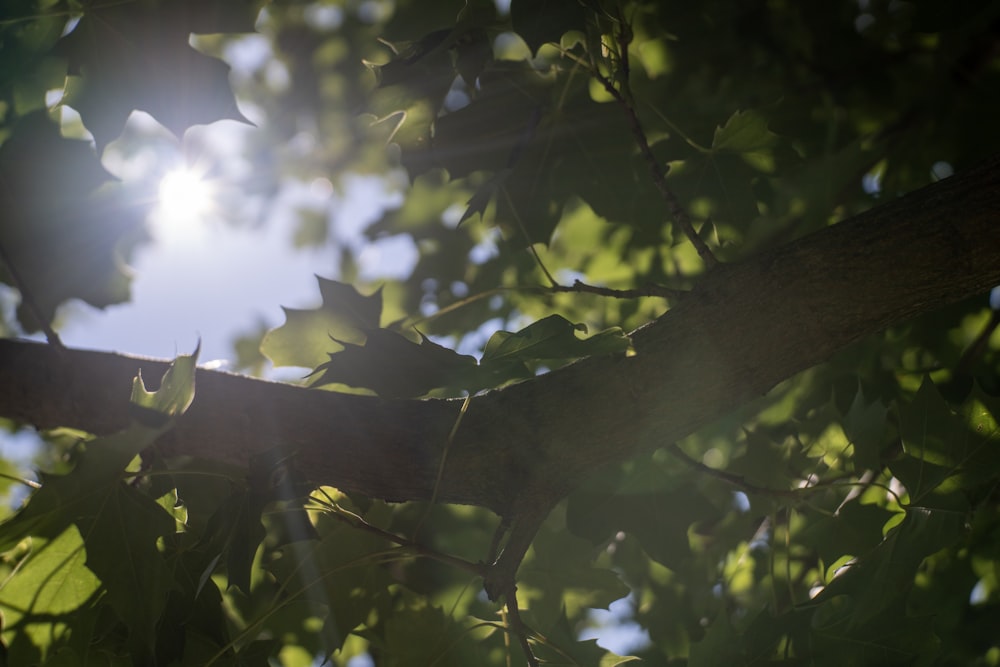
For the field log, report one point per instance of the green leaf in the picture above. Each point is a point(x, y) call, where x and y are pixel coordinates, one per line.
point(175, 394)
point(307, 336)
point(745, 132)
point(396, 367)
point(885, 574)
point(235, 531)
point(721, 645)
point(764, 463)
point(339, 574)
point(865, 426)
point(659, 520)
point(541, 21)
point(137, 56)
point(418, 637)
point(120, 526)
point(65, 234)
point(63, 499)
point(121, 535)
point(561, 647)
point(29, 45)
point(51, 581)
point(854, 530)
point(721, 183)
point(559, 576)
point(945, 450)
point(894, 637)
point(550, 339)
point(527, 126)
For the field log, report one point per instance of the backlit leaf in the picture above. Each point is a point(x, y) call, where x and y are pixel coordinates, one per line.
point(308, 336)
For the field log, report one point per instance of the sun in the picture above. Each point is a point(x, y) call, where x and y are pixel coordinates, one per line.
point(185, 198)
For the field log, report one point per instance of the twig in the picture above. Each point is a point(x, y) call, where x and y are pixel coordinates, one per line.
point(527, 237)
point(624, 38)
point(355, 521)
point(518, 627)
point(735, 480)
point(623, 97)
point(440, 470)
point(498, 535)
point(20, 480)
point(29, 301)
point(648, 290)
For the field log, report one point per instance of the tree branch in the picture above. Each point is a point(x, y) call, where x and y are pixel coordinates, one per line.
point(746, 327)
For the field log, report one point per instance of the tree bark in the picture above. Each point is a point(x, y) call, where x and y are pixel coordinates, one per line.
point(746, 327)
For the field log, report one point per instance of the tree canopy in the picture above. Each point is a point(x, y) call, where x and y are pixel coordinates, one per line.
point(702, 321)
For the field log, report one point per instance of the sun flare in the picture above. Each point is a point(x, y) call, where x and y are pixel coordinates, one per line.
point(185, 197)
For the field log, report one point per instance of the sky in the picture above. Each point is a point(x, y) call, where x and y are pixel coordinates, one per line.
point(202, 278)
point(212, 281)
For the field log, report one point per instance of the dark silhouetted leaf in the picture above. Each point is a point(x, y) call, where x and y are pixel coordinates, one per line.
point(660, 521)
point(550, 339)
point(541, 21)
point(63, 235)
point(394, 366)
point(884, 575)
point(559, 575)
point(865, 426)
point(135, 56)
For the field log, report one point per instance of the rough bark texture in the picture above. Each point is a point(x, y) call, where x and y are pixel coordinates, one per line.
point(747, 327)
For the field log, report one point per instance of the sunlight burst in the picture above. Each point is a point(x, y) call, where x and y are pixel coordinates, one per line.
point(185, 198)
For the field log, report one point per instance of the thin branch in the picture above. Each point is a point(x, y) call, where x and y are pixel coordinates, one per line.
point(440, 471)
point(648, 290)
point(20, 480)
point(800, 493)
point(498, 536)
point(355, 521)
point(624, 38)
point(29, 300)
point(658, 173)
point(527, 237)
point(730, 478)
point(521, 631)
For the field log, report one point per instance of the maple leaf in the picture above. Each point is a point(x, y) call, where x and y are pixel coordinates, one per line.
point(60, 248)
point(134, 56)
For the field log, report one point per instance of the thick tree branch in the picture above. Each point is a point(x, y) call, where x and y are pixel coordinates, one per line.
point(745, 328)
